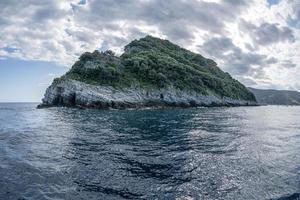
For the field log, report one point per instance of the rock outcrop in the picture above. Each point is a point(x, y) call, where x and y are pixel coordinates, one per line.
point(72, 93)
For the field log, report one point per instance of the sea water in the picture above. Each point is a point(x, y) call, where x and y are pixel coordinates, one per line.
point(196, 153)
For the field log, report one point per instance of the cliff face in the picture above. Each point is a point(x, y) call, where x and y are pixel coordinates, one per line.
point(151, 72)
point(74, 93)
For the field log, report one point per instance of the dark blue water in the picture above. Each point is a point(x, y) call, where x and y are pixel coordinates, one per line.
point(200, 153)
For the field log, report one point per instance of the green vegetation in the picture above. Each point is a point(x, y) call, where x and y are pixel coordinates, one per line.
point(154, 63)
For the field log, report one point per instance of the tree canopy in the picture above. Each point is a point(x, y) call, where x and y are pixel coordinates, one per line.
point(155, 63)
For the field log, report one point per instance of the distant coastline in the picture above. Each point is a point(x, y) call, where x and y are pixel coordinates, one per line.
point(276, 97)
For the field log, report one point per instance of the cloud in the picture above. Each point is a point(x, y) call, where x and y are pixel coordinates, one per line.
point(36, 29)
point(248, 81)
point(267, 33)
point(175, 19)
point(290, 11)
point(59, 31)
point(288, 64)
point(248, 38)
point(234, 59)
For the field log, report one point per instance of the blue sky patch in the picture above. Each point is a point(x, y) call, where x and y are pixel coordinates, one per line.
point(273, 2)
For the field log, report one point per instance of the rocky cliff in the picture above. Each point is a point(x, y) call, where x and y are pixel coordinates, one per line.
point(151, 72)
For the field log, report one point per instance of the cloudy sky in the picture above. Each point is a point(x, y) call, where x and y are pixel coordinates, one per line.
point(257, 41)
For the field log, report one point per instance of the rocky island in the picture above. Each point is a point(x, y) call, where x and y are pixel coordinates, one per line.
point(150, 73)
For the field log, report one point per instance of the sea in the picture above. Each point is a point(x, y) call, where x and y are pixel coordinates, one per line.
point(174, 153)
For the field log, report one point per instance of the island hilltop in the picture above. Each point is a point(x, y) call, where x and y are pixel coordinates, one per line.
point(150, 73)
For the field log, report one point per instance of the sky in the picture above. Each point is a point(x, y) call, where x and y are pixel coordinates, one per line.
point(256, 41)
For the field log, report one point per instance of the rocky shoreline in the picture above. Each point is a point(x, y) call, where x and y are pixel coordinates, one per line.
point(72, 93)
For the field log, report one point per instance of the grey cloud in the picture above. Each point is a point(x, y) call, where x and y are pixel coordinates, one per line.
point(288, 64)
point(267, 33)
point(248, 81)
point(249, 47)
point(85, 23)
point(296, 87)
point(49, 11)
point(218, 46)
point(175, 18)
point(236, 60)
point(33, 11)
point(177, 33)
point(272, 60)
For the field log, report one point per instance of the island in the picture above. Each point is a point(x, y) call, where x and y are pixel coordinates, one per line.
point(151, 72)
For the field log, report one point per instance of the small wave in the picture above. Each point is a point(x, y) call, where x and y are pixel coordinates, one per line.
point(124, 193)
point(5, 108)
point(294, 196)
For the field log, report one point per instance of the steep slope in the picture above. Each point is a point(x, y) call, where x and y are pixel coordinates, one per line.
point(150, 72)
point(276, 97)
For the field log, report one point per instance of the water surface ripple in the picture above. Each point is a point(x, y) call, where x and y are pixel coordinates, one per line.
point(198, 153)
